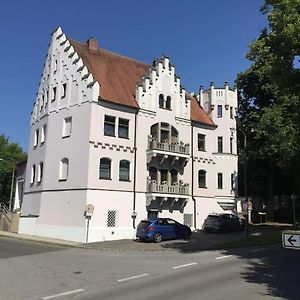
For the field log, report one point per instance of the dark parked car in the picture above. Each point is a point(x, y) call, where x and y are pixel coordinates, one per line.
point(223, 222)
point(162, 229)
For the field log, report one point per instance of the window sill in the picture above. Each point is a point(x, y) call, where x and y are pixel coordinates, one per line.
point(105, 179)
point(62, 179)
point(203, 187)
point(34, 147)
point(109, 135)
point(65, 136)
point(125, 180)
point(201, 150)
point(42, 143)
point(123, 137)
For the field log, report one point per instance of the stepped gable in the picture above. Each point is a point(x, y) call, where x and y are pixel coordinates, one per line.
point(197, 112)
point(116, 74)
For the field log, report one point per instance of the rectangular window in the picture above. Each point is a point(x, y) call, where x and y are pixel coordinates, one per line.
point(53, 94)
point(220, 144)
point(36, 138)
point(64, 90)
point(67, 127)
point(220, 181)
point(188, 220)
point(231, 112)
point(201, 142)
point(219, 111)
point(32, 177)
point(43, 134)
point(123, 130)
point(109, 125)
point(112, 218)
point(40, 172)
point(46, 99)
point(231, 145)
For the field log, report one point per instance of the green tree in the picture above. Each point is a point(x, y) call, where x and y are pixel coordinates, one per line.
point(269, 99)
point(10, 155)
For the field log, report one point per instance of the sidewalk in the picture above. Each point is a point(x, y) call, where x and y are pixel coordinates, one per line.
point(199, 241)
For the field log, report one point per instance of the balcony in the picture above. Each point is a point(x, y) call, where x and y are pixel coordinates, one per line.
point(164, 151)
point(165, 188)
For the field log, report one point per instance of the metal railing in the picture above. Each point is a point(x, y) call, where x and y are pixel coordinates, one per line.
point(165, 188)
point(5, 211)
point(178, 147)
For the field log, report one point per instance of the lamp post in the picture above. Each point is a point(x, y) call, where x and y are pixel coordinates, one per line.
point(12, 183)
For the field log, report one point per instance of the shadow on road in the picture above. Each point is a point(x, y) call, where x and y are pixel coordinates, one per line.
point(270, 265)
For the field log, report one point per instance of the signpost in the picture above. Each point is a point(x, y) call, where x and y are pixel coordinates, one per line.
point(291, 239)
point(88, 212)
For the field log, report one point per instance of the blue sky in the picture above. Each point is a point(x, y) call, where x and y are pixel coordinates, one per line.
point(205, 40)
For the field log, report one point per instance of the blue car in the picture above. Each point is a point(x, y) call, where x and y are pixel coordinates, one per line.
point(162, 229)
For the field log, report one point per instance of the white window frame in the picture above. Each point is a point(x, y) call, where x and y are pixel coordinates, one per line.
point(67, 130)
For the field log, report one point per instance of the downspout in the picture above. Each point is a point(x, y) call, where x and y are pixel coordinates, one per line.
point(134, 171)
point(192, 156)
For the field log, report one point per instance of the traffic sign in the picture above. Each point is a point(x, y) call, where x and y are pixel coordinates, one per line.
point(291, 239)
point(89, 210)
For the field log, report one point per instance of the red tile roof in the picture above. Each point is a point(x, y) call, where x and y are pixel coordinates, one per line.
point(197, 112)
point(118, 76)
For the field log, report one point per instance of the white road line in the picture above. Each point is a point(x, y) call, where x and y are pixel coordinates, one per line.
point(132, 277)
point(225, 256)
point(186, 265)
point(63, 294)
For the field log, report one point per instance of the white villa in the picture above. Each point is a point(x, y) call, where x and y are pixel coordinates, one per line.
point(127, 138)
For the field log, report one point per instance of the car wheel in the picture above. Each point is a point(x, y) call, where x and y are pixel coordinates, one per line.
point(157, 238)
point(186, 235)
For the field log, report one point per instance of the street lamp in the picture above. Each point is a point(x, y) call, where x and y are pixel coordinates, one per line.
point(12, 183)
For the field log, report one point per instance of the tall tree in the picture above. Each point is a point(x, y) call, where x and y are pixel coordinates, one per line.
point(10, 155)
point(269, 98)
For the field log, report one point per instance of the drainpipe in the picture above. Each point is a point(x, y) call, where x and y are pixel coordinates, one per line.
point(192, 156)
point(134, 171)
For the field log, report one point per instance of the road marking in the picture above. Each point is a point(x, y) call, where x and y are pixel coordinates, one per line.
point(63, 294)
point(132, 277)
point(225, 256)
point(186, 265)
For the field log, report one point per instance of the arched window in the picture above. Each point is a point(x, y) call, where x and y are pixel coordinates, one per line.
point(64, 169)
point(202, 178)
point(168, 103)
point(161, 101)
point(124, 170)
point(105, 168)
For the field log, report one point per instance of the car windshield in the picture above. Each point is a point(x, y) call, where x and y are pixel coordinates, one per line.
point(144, 223)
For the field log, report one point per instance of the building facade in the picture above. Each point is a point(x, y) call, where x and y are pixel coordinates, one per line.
point(127, 138)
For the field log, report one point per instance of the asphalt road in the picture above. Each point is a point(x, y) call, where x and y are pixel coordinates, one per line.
point(36, 271)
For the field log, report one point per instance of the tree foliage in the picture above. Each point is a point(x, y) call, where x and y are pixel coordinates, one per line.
point(269, 95)
point(10, 155)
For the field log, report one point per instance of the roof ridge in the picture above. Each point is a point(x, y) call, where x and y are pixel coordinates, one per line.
point(114, 53)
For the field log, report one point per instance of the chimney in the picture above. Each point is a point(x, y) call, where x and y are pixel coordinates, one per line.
point(92, 44)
